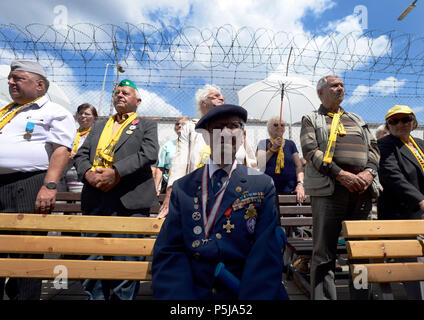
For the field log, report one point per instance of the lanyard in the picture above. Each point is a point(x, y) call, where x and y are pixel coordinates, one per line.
point(209, 221)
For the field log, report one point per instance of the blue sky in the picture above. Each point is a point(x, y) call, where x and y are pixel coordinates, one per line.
point(305, 18)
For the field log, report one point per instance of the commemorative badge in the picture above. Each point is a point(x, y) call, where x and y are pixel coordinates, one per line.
point(197, 230)
point(195, 243)
point(196, 216)
point(250, 218)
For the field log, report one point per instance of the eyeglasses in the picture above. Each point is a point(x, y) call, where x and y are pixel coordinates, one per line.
point(230, 125)
point(276, 124)
point(395, 121)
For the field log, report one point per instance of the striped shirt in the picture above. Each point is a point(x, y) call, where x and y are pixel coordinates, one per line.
point(351, 149)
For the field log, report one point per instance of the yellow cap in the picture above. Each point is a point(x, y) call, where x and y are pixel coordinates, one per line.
point(399, 109)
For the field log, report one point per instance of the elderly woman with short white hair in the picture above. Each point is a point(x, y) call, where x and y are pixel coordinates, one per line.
point(279, 158)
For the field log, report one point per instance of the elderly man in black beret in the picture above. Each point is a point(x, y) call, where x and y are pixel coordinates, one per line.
point(222, 214)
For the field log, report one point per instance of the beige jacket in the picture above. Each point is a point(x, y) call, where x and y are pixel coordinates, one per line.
point(190, 146)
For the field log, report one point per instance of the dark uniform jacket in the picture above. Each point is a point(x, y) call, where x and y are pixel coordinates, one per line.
point(136, 150)
point(183, 264)
point(402, 179)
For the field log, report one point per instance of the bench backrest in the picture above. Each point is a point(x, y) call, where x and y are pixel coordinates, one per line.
point(292, 214)
point(68, 245)
point(382, 240)
point(70, 202)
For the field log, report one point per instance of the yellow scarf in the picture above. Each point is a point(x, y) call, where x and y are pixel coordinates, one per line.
point(6, 116)
point(420, 157)
point(279, 165)
point(106, 147)
point(336, 128)
point(77, 138)
point(204, 156)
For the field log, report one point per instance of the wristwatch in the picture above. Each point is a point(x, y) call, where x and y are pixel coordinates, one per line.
point(300, 182)
point(50, 185)
point(372, 171)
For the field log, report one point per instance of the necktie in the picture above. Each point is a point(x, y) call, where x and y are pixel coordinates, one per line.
point(217, 180)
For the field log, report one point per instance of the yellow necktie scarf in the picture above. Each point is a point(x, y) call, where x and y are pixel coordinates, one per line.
point(420, 157)
point(336, 128)
point(77, 138)
point(279, 165)
point(106, 147)
point(6, 116)
point(204, 156)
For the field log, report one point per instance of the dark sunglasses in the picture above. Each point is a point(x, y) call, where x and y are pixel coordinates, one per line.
point(276, 124)
point(395, 121)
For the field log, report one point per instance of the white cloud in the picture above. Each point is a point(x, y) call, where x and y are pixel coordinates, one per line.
point(384, 87)
point(418, 109)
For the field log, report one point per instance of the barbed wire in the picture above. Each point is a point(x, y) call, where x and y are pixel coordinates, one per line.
point(231, 58)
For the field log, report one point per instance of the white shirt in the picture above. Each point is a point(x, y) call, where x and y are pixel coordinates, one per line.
point(52, 124)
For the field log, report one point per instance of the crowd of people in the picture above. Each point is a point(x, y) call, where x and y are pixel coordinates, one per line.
point(220, 204)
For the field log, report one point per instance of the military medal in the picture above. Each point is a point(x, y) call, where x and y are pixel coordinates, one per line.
point(135, 121)
point(228, 225)
point(29, 129)
point(132, 127)
point(238, 189)
point(195, 243)
point(129, 132)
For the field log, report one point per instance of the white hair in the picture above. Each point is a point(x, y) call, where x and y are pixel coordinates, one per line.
point(322, 83)
point(271, 121)
point(202, 94)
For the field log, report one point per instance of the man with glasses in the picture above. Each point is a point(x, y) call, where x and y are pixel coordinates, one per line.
point(192, 151)
point(342, 162)
point(223, 212)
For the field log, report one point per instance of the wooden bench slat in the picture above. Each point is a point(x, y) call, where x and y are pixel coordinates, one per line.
point(76, 245)
point(295, 210)
point(384, 249)
point(77, 223)
point(76, 269)
point(296, 222)
point(382, 228)
point(68, 196)
point(393, 272)
point(291, 199)
point(67, 207)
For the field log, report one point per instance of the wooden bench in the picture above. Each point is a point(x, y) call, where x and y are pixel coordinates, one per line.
point(77, 269)
point(381, 241)
point(70, 202)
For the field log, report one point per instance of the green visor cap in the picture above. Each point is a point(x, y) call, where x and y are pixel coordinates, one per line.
point(127, 83)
